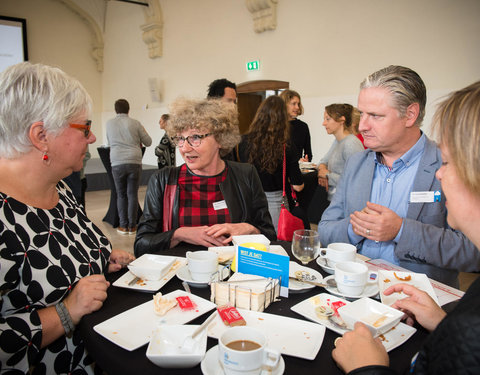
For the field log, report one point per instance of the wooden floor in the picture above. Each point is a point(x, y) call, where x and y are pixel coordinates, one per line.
point(97, 204)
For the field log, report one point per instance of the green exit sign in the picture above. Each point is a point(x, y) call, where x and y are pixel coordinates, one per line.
point(253, 65)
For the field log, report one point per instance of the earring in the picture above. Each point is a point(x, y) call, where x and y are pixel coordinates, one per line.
point(45, 158)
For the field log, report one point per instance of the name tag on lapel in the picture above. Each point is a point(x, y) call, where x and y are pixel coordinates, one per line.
point(425, 196)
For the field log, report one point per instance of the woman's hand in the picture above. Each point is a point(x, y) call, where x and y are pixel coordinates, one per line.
point(196, 236)
point(87, 296)
point(228, 230)
point(119, 259)
point(322, 176)
point(418, 305)
point(358, 348)
point(323, 182)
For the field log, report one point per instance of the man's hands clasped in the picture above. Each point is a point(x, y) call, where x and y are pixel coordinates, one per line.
point(376, 222)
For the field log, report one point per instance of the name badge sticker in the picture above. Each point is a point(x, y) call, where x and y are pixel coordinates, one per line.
point(220, 205)
point(422, 197)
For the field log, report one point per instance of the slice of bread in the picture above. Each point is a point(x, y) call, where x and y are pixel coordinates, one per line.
point(161, 304)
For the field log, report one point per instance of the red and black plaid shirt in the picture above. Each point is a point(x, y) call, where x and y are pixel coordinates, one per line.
point(197, 196)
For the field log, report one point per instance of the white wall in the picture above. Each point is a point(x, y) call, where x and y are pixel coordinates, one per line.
point(323, 48)
point(56, 36)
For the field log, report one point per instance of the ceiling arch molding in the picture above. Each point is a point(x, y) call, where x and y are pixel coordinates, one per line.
point(98, 43)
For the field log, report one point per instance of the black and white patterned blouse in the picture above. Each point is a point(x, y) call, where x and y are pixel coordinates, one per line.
point(165, 152)
point(43, 254)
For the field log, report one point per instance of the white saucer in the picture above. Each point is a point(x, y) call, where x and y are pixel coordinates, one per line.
point(295, 286)
point(322, 263)
point(184, 275)
point(211, 365)
point(371, 290)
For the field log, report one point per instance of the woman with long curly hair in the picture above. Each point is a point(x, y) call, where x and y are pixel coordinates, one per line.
point(264, 145)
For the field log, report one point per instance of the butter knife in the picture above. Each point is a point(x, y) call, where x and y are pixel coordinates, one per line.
point(133, 281)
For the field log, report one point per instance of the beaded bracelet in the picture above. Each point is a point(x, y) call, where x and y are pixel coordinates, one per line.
point(65, 318)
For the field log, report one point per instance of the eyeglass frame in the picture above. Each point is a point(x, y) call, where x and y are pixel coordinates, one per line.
point(177, 139)
point(85, 127)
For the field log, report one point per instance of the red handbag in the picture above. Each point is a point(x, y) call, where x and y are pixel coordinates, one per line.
point(287, 223)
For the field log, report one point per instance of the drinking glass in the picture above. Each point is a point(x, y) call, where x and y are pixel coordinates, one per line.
point(305, 245)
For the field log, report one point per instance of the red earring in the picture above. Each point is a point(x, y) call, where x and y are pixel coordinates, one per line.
point(45, 158)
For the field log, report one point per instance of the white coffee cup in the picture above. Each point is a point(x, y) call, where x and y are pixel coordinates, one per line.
point(338, 252)
point(352, 277)
point(202, 265)
point(245, 362)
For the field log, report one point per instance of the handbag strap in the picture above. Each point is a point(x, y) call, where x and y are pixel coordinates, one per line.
point(284, 196)
point(169, 201)
point(284, 171)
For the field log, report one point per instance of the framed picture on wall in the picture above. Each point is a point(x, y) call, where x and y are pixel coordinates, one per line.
point(13, 41)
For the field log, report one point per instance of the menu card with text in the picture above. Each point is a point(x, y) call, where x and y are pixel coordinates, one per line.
point(263, 263)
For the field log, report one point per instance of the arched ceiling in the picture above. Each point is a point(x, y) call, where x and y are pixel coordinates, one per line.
point(93, 13)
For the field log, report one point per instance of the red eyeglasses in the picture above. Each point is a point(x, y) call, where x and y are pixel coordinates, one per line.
point(85, 127)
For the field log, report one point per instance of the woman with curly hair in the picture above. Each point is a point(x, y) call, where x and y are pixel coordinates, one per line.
point(264, 145)
point(207, 200)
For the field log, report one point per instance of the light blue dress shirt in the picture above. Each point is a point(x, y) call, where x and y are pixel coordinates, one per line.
point(391, 188)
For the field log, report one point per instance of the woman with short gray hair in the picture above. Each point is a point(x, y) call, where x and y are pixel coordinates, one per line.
point(53, 258)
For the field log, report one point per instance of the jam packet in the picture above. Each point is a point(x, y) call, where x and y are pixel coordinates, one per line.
point(185, 303)
point(230, 316)
point(336, 305)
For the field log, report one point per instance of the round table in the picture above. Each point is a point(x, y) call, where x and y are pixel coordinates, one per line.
point(115, 360)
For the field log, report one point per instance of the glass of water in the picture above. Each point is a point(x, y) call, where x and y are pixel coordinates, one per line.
point(305, 245)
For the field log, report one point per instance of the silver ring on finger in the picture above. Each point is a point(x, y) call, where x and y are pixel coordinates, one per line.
point(368, 232)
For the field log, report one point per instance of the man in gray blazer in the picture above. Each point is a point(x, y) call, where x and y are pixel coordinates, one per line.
point(388, 202)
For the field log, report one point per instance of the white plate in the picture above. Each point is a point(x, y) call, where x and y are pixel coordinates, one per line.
point(371, 290)
point(295, 285)
point(390, 340)
point(211, 365)
point(289, 336)
point(225, 253)
point(133, 328)
point(184, 275)
point(307, 170)
point(146, 285)
point(419, 280)
point(278, 249)
point(321, 262)
point(307, 164)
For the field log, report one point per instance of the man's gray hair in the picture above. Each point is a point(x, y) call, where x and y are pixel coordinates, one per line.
point(404, 84)
point(36, 92)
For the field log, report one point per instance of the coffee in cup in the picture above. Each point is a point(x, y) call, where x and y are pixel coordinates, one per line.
point(243, 351)
point(353, 277)
point(243, 345)
point(338, 252)
point(202, 265)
